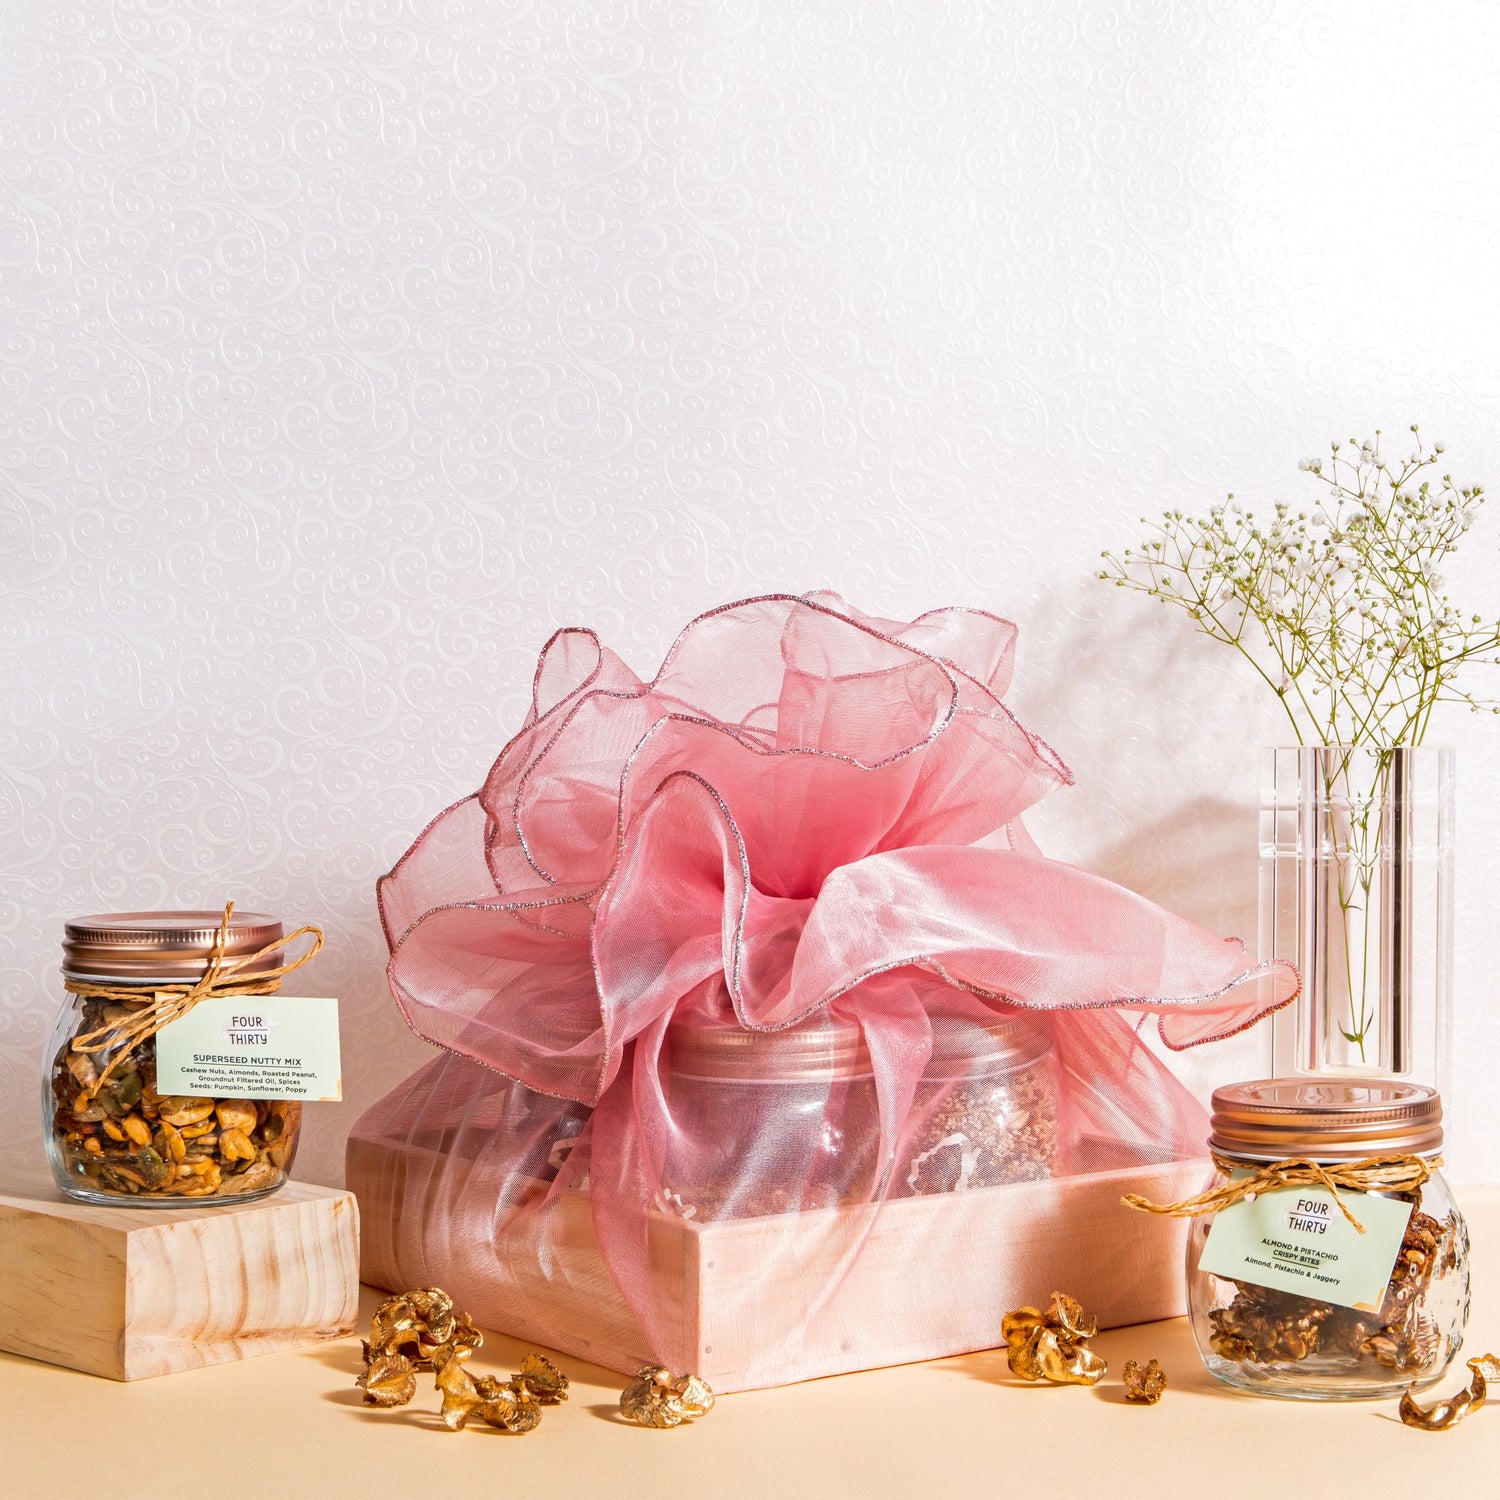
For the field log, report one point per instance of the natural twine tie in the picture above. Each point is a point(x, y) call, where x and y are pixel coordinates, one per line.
point(171, 1002)
point(1375, 1174)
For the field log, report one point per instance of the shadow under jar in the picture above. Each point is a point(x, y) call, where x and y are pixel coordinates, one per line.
point(1275, 1342)
point(112, 1137)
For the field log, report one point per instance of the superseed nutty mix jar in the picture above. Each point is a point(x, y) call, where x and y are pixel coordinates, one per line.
point(112, 1137)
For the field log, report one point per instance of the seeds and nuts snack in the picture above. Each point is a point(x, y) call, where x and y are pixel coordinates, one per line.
point(987, 1134)
point(117, 1135)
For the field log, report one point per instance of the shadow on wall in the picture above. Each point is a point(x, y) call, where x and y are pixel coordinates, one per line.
point(1161, 729)
point(1202, 865)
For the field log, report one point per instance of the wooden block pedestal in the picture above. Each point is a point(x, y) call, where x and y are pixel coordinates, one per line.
point(132, 1292)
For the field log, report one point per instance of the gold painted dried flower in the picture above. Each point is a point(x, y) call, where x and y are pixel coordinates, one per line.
point(460, 1398)
point(1451, 1410)
point(422, 1330)
point(655, 1399)
point(1144, 1383)
point(503, 1404)
point(1053, 1346)
point(416, 1323)
point(388, 1379)
point(542, 1379)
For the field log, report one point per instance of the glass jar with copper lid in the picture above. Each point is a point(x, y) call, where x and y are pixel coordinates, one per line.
point(112, 1137)
point(986, 1110)
point(782, 1121)
point(767, 1122)
point(1335, 1264)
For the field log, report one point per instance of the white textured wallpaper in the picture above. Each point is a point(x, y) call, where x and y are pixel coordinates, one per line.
point(348, 349)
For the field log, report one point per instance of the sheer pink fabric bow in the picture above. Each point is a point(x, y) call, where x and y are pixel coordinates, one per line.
point(807, 807)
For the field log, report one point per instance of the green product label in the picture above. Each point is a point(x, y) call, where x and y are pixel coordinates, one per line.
point(253, 1047)
point(1297, 1240)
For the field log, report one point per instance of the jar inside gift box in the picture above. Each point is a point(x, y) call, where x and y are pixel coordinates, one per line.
point(800, 1107)
point(781, 1120)
point(986, 1112)
point(112, 1137)
point(1276, 1341)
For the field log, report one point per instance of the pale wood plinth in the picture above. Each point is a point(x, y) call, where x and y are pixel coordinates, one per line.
point(130, 1293)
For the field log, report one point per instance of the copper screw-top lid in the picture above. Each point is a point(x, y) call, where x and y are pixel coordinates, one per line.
point(827, 1048)
point(162, 947)
point(964, 1047)
point(1326, 1119)
point(817, 1051)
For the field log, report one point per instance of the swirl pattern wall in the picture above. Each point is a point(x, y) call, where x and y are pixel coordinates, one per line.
point(348, 347)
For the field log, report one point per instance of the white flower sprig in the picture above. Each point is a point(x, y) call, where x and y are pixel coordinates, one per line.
point(1341, 609)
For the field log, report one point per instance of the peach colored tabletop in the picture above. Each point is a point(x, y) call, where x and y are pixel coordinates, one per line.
point(291, 1426)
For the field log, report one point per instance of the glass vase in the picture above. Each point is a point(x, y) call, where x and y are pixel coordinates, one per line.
point(1356, 889)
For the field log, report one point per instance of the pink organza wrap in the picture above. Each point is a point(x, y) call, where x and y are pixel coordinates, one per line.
point(809, 816)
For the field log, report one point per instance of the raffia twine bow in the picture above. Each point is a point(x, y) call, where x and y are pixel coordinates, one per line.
point(1375, 1174)
point(171, 1002)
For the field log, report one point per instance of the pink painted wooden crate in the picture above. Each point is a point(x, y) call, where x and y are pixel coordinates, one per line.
point(934, 1276)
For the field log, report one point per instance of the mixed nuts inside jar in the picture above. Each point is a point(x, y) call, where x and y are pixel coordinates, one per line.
point(987, 1106)
point(112, 1136)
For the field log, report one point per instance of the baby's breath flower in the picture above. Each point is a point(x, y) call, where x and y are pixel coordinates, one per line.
point(1352, 630)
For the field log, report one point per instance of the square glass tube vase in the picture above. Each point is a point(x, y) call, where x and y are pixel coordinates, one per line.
point(1356, 889)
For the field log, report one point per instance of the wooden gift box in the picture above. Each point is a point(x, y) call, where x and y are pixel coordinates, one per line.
point(934, 1277)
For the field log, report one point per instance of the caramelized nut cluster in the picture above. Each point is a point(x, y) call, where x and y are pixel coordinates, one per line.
point(1263, 1326)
